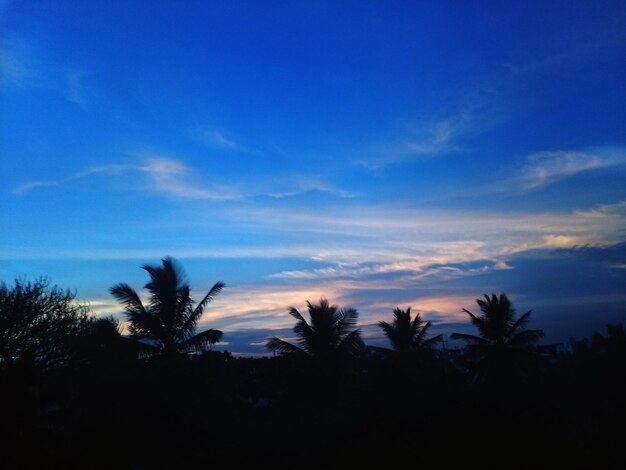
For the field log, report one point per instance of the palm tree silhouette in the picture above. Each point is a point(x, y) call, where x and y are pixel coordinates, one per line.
point(169, 319)
point(330, 331)
point(406, 335)
point(503, 345)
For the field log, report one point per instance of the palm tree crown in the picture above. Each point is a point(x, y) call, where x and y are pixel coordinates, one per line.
point(169, 319)
point(499, 326)
point(406, 334)
point(330, 330)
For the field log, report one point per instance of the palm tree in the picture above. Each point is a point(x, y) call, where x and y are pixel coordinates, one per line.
point(329, 331)
point(406, 335)
point(504, 345)
point(169, 319)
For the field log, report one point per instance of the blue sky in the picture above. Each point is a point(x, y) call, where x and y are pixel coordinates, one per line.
point(376, 153)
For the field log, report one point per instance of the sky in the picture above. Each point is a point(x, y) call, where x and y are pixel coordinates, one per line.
point(376, 153)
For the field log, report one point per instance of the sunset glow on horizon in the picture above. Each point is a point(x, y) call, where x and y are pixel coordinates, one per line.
point(377, 154)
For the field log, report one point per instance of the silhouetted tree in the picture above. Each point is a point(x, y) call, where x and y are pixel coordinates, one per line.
point(504, 346)
point(102, 342)
point(408, 335)
point(330, 331)
point(39, 324)
point(169, 319)
point(613, 344)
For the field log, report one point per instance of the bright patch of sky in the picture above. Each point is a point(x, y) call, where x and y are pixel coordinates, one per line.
point(376, 153)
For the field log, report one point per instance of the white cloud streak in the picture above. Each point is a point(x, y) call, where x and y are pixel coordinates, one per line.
point(173, 178)
point(430, 140)
point(410, 245)
point(162, 175)
point(218, 139)
point(295, 185)
point(546, 168)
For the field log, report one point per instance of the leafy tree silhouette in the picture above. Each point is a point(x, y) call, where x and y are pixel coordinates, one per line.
point(39, 324)
point(503, 350)
point(329, 332)
point(408, 335)
point(169, 319)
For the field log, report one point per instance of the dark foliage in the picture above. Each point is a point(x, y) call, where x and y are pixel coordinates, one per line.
point(39, 324)
point(408, 335)
point(503, 352)
point(106, 407)
point(169, 320)
point(329, 332)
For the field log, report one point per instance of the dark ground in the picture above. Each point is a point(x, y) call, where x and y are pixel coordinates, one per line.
point(204, 410)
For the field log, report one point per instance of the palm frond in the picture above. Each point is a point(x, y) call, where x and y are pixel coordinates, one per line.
point(415, 324)
point(347, 319)
point(201, 340)
point(141, 321)
point(352, 343)
point(164, 286)
point(469, 338)
point(526, 338)
point(474, 317)
point(391, 332)
point(128, 297)
point(323, 317)
point(521, 321)
point(191, 320)
point(419, 338)
point(421, 342)
point(432, 342)
point(296, 314)
point(145, 325)
point(183, 310)
point(304, 332)
point(282, 347)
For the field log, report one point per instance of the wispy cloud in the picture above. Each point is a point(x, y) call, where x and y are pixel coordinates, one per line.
point(542, 169)
point(263, 307)
point(174, 178)
point(546, 168)
point(162, 175)
point(23, 65)
point(385, 239)
point(295, 185)
point(171, 177)
point(379, 242)
point(215, 138)
point(428, 139)
point(390, 248)
point(465, 230)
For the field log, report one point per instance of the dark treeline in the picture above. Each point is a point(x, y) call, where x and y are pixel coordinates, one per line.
point(76, 393)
